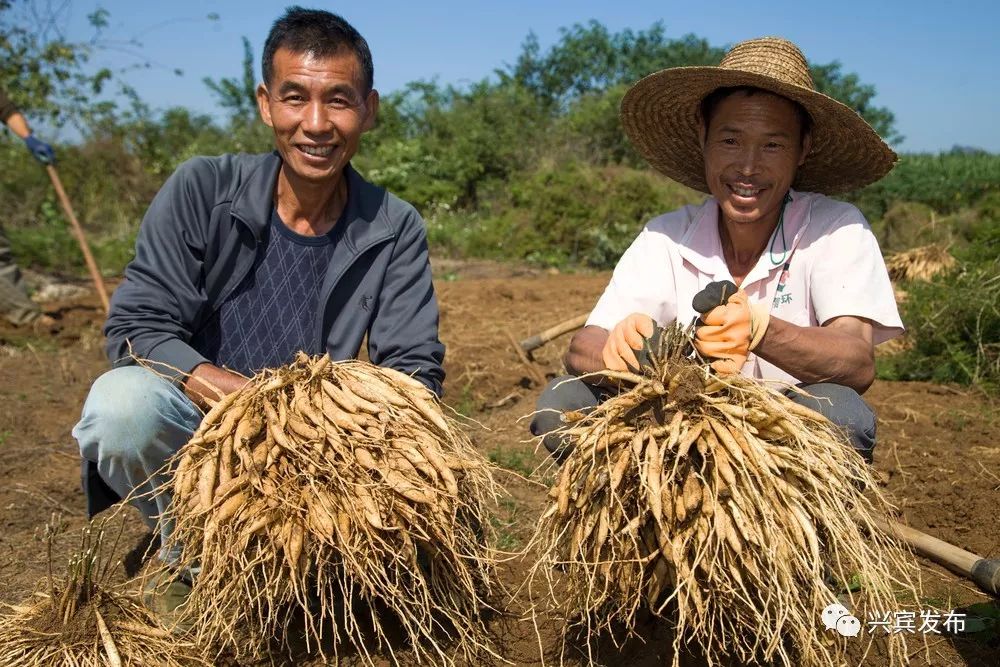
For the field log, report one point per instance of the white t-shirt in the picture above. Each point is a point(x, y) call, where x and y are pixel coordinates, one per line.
point(823, 264)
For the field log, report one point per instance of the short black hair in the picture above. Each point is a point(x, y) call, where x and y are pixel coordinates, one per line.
point(713, 99)
point(320, 33)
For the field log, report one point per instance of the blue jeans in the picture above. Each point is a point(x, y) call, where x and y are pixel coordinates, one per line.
point(841, 405)
point(133, 421)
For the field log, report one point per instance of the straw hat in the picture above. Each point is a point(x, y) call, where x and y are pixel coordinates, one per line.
point(660, 115)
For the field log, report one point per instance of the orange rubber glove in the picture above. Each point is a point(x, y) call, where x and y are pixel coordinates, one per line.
point(731, 331)
point(623, 341)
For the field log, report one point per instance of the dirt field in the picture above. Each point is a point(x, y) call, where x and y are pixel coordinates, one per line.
point(939, 448)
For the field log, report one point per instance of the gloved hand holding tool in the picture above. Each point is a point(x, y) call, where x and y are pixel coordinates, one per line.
point(41, 150)
point(729, 327)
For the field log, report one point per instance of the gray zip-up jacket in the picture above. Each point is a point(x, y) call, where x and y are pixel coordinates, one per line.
point(199, 240)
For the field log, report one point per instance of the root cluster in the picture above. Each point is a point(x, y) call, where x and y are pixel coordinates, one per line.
point(336, 498)
point(721, 505)
point(921, 263)
point(83, 621)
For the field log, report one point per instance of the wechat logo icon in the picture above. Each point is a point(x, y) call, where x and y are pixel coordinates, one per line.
point(837, 617)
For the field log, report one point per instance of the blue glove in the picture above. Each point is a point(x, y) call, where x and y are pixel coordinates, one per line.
point(41, 150)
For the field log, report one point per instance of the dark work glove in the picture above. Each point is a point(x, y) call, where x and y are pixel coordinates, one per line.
point(650, 348)
point(715, 294)
point(41, 150)
point(730, 327)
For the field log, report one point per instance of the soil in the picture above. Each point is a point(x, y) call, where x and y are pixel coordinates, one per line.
point(938, 452)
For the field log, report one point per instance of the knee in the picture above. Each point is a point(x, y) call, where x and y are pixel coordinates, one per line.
point(124, 413)
point(547, 413)
point(560, 395)
point(845, 408)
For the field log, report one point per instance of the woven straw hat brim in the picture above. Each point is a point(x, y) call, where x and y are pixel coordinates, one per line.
point(660, 116)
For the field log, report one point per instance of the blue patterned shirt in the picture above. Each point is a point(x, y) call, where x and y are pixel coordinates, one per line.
point(272, 314)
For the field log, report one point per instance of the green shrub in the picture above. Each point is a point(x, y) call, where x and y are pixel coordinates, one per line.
point(108, 190)
point(110, 179)
point(562, 215)
point(905, 225)
point(988, 208)
point(591, 131)
point(954, 320)
point(946, 182)
point(50, 244)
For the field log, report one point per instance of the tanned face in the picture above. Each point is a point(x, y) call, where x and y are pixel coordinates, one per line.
point(752, 147)
point(318, 109)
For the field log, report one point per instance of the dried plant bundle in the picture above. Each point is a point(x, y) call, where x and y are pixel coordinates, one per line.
point(338, 497)
point(82, 621)
point(721, 505)
point(921, 263)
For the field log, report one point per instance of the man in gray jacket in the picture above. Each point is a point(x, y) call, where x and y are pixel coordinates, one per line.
point(244, 260)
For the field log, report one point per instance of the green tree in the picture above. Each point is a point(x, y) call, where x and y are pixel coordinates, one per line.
point(590, 130)
point(589, 59)
point(44, 73)
point(238, 96)
point(441, 146)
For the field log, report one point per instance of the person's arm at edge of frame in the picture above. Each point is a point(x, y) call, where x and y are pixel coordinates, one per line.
point(41, 151)
point(840, 351)
point(18, 124)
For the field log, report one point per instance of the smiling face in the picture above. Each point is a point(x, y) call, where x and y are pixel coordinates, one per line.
point(753, 147)
point(318, 109)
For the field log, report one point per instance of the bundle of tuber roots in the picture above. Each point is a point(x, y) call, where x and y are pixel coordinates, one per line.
point(722, 506)
point(921, 263)
point(83, 620)
point(338, 499)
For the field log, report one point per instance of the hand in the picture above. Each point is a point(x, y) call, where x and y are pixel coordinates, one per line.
point(41, 150)
point(651, 349)
point(207, 384)
point(623, 341)
point(730, 331)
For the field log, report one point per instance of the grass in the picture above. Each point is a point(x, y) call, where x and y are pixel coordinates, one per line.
point(466, 403)
point(933, 602)
point(953, 420)
point(516, 459)
point(504, 523)
point(51, 247)
point(24, 339)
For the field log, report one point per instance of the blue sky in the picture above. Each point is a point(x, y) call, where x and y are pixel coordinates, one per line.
point(933, 63)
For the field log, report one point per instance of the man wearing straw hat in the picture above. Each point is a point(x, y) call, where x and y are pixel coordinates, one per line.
point(789, 285)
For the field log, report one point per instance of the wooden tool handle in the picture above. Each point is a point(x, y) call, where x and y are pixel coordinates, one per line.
point(984, 573)
point(533, 371)
point(95, 274)
point(536, 341)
